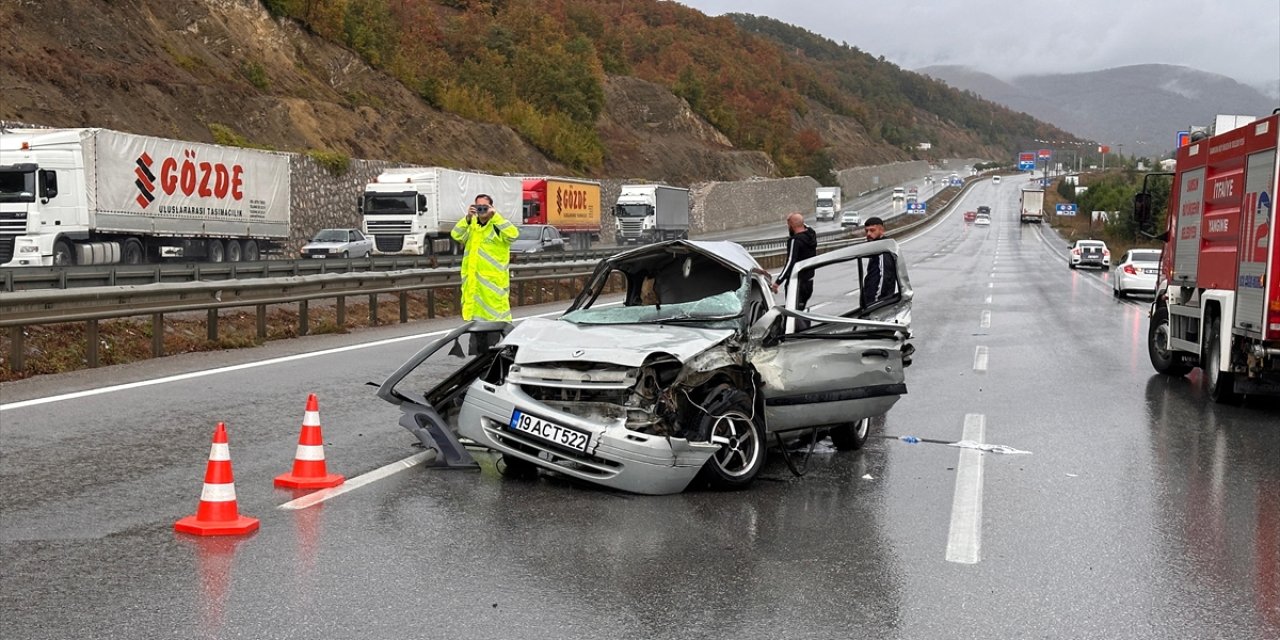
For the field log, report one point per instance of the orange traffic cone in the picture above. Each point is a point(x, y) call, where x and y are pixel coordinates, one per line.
point(217, 514)
point(308, 463)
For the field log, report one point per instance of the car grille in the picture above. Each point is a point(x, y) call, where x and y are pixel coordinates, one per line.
point(584, 464)
point(388, 244)
point(11, 226)
point(6, 248)
point(317, 252)
point(389, 227)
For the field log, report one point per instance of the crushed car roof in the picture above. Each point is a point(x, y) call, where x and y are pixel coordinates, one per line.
point(731, 254)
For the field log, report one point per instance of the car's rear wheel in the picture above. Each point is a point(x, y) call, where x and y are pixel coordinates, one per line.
point(729, 420)
point(849, 437)
point(1071, 264)
point(1163, 359)
point(513, 467)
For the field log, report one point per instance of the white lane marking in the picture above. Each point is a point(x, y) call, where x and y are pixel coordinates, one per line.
point(352, 484)
point(988, 300)
point(980, 359)
point(964, 540)
point(236, 367)
point(985, 323)
point(991, 285)
point(823, 304)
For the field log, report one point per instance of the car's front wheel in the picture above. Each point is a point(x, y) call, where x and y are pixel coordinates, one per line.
point(729, 420)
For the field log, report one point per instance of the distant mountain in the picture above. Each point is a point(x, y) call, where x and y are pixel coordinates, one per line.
point(1141, 106)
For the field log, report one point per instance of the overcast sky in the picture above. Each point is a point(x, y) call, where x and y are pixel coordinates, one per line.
point(1236, 38)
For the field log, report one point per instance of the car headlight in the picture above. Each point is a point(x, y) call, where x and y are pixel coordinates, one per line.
point(335, 249)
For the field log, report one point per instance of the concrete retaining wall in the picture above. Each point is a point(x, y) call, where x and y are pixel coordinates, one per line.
point(862, 179)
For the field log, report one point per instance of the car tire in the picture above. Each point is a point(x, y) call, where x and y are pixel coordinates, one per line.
point(728, 418)
point(1120, 293)
point(1220, 384)
point(1071, 264)
point(235, 251)
point(851, 437)
point(1163, 359)
point(513, 467)
point(249, 253)
point(346, 255)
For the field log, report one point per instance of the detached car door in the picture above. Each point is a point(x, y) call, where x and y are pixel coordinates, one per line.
point(833, 359)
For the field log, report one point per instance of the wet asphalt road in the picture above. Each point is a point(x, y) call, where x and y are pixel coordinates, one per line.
point(1142, 511)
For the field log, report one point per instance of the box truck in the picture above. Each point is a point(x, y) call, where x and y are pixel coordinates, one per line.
point(826, 202)
point(651, 213)
point(571, 206)
point(1032, 206)
point(96, 196)
point(411, 210)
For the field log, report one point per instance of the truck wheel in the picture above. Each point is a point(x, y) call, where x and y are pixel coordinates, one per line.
point(1221, 384)
point(731, 422)
point(132, 252)
point(234, 252)
point(1163, 359)
point(62, 256)
point(215, 251)
point(250, 253)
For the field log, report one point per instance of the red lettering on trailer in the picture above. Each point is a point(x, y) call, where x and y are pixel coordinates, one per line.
point(1223, 189)
point(191, 178)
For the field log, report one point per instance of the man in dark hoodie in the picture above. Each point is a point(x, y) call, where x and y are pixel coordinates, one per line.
point(801, 245)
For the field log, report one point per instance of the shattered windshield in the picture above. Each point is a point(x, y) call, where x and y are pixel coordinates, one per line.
point(721, 306)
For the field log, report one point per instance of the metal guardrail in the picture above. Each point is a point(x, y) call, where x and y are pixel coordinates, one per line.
point(281, 283)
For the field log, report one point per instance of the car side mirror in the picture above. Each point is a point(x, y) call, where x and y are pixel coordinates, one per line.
point(422, 203)
point(1142, 210)
point(360, 205)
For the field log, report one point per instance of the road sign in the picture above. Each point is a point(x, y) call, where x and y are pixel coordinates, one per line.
point(1184, 138)
point(915, 208)
point(1066, 209)
point(1026, 165)
point(1045, 154)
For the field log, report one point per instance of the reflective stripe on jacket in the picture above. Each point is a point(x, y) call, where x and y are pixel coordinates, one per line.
point(486, 282)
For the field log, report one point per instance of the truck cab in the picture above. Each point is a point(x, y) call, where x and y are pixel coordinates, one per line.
point(1217, 304)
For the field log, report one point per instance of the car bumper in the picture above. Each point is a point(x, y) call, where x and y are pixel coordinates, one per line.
point(1136, 284)
point(616, 457)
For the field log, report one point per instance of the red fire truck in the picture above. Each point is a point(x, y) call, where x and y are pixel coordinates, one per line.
point(1218, 303)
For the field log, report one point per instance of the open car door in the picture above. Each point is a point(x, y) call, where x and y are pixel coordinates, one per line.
point(836, 361)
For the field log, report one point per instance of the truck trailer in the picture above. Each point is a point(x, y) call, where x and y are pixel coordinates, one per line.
point(1217, 305)
point(411, 210)
point(96, 196)
point(571, 206)
point(1031, 206)
point(651, 213)
point(826, 202)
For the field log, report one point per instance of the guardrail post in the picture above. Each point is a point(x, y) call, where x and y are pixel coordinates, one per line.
point(537, 295)
point(404, 307)
point(262, 321)
point(304, 321)
point(342, 312)
point(431, 303)
point(17, 350)
point(91, 343)
point(212, 325)
point(373, 309)
point(157, 335)
point(520, 292)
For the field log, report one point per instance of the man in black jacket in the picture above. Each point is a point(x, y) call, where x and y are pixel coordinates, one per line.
point(881, 279)
point(801, 245)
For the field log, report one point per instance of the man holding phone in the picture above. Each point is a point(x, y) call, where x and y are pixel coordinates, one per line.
point(486, 238)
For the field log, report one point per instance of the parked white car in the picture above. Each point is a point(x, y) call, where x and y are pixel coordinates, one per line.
point(1089, 253)
point(338, 243)
point(1137, 272)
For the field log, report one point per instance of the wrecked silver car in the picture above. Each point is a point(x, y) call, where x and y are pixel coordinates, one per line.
point(691, 376)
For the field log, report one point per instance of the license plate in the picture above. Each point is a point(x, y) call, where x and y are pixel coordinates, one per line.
point(317, 255)
point(549, 431)
point(1151, 272)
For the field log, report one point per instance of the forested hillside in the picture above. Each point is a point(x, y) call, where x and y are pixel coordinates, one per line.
point(641, 88)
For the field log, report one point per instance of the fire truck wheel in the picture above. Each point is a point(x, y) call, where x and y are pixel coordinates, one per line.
point(1163, 359)
point(1221, 383)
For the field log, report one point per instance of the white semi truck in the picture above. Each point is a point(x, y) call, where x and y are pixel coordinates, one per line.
point(95, 196)
point(411, 210)
point(826, 202)
point(651, 213)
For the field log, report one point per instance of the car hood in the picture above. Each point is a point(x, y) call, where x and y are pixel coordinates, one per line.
point(544, 340)
point(323, 245)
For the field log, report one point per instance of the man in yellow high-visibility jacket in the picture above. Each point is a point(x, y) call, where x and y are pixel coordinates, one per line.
point(486, 238)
